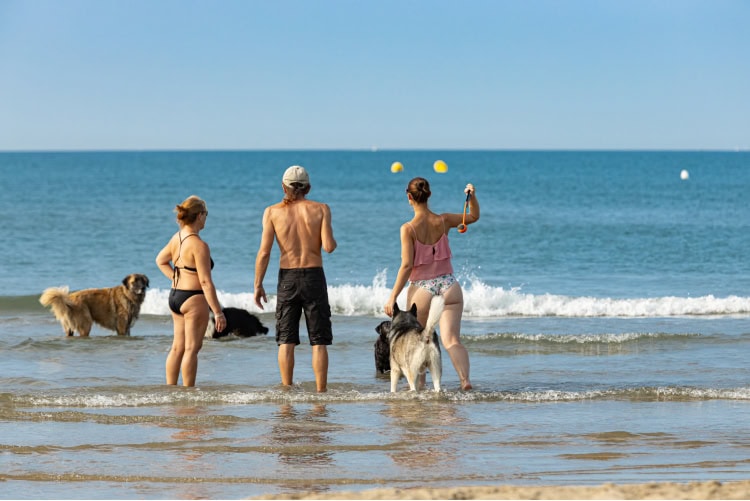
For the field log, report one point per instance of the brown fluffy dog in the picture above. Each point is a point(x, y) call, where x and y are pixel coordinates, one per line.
point(114, 308)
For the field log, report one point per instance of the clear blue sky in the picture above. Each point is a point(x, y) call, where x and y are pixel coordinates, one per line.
point(391, 74)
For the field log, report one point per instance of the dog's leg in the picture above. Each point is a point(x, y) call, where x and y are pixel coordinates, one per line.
point(395, 375)
point(436, 366)
point(84, 328)
point(68, 327)
point(123, 326)
point(411, 377)
point(417, 369)
point(436, 371)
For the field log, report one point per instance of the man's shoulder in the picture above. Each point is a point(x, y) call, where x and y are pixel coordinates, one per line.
point(316, 203)
point(276, 206)
point(304, 204)
point(310, 205)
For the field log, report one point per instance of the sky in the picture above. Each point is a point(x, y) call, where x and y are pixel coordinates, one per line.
point(380, 74)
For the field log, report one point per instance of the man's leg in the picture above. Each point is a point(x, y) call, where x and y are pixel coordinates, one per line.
point(286, 363)
point(320, 367)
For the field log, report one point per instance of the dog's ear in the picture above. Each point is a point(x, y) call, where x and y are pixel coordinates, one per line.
point(395, 309)
point(383, 327)
point(145, 279)
point(413, 309)
point(125, 281)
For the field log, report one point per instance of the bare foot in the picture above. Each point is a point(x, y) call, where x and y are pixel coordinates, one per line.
point(466, 386)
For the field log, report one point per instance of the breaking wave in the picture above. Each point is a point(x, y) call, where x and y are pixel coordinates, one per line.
point(484, 301)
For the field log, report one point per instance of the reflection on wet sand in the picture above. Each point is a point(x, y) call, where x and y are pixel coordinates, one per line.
point(425, 427)
point(300, 434)
point(193, 430)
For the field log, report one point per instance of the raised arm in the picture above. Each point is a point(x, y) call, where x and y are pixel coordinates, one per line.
point(454, 219)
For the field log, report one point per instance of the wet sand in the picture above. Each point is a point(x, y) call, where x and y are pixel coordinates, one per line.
point(654, 490)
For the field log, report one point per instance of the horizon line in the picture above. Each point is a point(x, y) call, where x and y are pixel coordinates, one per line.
point(371, 150)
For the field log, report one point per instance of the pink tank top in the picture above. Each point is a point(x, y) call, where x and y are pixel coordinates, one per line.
point(431, 261)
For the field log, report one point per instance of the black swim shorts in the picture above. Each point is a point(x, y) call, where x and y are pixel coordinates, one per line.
point(303, 289)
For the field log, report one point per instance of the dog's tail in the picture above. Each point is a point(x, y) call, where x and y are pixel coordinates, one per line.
point(436, 309)
point(58, 299)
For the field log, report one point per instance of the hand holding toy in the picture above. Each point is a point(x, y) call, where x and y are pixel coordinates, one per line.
point(462, 227)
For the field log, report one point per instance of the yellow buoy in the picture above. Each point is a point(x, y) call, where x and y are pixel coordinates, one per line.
point(440, 167)
point(397, 167)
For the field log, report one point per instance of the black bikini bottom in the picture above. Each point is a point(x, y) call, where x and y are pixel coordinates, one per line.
point(177, 298)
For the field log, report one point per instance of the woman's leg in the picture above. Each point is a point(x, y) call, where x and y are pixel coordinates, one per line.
point(450, 332)
point(195, 312)
point(422, 298)
point(174, 357)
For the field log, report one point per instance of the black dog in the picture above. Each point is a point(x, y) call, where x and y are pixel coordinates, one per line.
point(382, 348)
point(240, 322)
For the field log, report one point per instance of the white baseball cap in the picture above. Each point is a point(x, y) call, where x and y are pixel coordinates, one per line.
point(295, 174)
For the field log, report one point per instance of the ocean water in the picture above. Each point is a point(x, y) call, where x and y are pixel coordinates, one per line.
point(607, 317)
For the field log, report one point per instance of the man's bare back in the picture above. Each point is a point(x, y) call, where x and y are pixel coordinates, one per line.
point(301, 229)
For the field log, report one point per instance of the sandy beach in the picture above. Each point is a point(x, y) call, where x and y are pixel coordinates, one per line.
point(653, 490)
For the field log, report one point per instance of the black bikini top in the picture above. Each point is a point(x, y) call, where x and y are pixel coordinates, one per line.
point(195, 270)
point(176, 274)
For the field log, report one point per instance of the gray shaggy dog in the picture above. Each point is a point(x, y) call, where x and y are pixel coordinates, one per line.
point(415, 349)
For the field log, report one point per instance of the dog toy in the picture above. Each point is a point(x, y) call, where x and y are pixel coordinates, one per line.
point(462, 227)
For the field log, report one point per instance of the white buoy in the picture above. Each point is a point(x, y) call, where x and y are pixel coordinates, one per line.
point(684, 175)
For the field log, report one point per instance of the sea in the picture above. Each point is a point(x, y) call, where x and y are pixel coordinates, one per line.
point(606, 316)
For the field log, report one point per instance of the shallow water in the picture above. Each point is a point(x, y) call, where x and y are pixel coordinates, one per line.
point(90, 418)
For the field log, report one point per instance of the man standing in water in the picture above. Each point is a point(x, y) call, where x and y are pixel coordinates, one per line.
point(301, 227)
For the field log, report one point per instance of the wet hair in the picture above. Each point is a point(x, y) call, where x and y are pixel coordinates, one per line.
point(187, 211)
point(295, 192)
point(419, 189)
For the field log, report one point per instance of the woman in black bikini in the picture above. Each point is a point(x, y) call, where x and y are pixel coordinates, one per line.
point(186, 260)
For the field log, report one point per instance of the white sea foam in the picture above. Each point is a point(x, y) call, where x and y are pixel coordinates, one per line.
point(575, 339)
point(485, 301)
point(141, 398)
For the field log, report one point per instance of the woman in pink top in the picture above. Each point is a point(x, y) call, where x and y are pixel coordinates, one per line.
point(426, 263)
